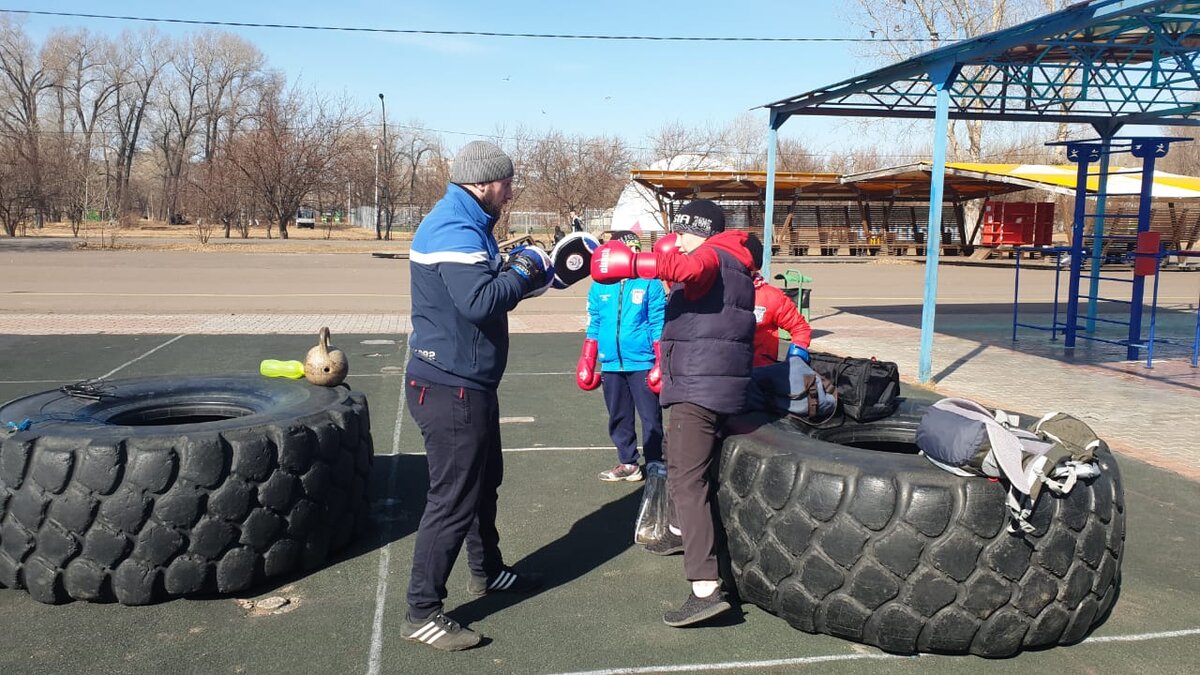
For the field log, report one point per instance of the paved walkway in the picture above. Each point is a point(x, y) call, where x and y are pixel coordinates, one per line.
point(1153, 415)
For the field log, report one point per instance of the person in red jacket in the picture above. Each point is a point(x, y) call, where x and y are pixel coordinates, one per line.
point(773, 310)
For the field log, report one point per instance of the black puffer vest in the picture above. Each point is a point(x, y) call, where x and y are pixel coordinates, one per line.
point(708, 343)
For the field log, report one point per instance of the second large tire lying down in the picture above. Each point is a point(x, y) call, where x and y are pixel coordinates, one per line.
point(175, 486)
point(847, 532)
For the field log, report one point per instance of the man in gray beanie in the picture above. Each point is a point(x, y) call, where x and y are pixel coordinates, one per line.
point(461, 295)
point(481, 163)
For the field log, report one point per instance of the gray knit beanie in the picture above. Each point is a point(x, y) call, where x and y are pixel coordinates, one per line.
point(480, 162)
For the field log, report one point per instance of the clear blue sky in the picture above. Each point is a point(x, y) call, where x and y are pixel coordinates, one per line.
point(472, 84)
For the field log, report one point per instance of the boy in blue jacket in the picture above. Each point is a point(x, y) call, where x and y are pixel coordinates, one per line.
point(625, 321)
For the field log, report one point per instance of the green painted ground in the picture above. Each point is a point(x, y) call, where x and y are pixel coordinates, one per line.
point(603, 599)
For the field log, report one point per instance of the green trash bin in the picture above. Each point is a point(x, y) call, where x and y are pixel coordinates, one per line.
point(799, 294)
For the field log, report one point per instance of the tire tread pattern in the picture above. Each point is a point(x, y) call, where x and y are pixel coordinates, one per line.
point(887, 550)
point(146, 518)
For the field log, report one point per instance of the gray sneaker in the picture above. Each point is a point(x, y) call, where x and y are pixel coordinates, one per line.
point(670, 544)
point(440, 632)
point(695, 609)
point(629, 472)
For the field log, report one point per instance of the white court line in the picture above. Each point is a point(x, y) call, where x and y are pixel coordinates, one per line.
point(375, 654)
point(128, 363)
point(1138, 637)
point(805, 660)
point(540, 448)
point(731, 665)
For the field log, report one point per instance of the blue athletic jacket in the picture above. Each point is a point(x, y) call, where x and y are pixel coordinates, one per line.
point(626, 319)
point(460, 296)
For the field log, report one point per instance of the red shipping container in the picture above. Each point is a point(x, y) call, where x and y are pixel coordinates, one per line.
point(1018, 223)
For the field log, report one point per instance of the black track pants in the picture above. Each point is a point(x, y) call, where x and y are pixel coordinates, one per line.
point(461, 428)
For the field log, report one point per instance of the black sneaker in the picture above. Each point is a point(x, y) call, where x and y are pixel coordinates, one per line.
point(694, 609)
point(670, 544)
point(507, 581)
point(440, 632)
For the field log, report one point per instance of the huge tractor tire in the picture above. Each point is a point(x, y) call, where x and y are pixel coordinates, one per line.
point(846, 531)
point(143, 489)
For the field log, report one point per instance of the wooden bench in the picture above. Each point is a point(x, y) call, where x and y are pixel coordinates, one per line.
point(802, 240)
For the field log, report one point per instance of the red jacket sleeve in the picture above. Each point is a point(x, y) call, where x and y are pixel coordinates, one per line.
point(696, 270)
point(791, 320)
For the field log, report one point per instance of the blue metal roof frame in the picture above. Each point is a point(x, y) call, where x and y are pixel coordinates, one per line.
point(1107, 63)
point(1102, 62)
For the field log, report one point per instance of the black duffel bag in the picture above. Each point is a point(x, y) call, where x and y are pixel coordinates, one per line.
point(867, 389)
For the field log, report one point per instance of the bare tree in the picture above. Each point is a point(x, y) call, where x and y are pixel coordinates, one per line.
point(519, 144)
point(138, 64)
point(575, 173)
point(742, 143)
point(793, 155)
point(414, 148)
point(231, 73)
point(24, 82)
point(678, 146)
point(291, 150)
point(941, 21)
point(176, 119)
point(18, 194)
point(86, 92)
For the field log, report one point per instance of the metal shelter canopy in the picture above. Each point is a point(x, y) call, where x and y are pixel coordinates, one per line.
point(737, 185)
point(1104, 62)
point(1107, 63)
point(906, 183)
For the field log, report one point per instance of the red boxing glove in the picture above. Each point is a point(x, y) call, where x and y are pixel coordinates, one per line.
point(614, 261)
point(654, 377)
point(586, 375)
point(667, 244)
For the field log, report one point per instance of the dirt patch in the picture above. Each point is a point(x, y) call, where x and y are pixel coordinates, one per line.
point(281, 603)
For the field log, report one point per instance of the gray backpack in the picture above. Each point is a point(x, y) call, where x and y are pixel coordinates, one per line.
point(791, 387)
point(967, 439)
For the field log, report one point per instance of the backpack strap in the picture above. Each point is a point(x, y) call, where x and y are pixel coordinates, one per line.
point(1007, 449)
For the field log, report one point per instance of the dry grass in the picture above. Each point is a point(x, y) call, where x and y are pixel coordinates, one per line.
point(158, 236)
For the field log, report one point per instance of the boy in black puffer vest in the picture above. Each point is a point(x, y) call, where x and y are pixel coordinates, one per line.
point(707, 348)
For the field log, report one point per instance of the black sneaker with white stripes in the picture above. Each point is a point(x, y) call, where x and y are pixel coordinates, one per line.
point(441, 632)
point(507, 581)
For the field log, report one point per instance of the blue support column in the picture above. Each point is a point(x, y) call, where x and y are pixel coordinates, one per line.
point(942, 76)
point(1082, 154)
point(1148, 150)
point(1098, 226)
point(769, 197)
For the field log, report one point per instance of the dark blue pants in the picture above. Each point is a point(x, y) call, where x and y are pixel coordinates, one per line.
point(461, 428)
point(623, 394)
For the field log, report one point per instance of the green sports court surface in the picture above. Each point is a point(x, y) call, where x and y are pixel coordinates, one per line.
point(600, 608)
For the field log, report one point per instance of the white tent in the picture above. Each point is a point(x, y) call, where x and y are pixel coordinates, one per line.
point(637, 208)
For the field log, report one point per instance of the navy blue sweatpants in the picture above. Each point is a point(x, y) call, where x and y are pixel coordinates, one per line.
point(623, 394)
point(461, 428)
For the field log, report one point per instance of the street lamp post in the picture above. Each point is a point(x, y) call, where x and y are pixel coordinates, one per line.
point(387, 166)
point(375, 147)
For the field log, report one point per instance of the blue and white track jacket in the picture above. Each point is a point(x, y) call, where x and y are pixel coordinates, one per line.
point(460, 296)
